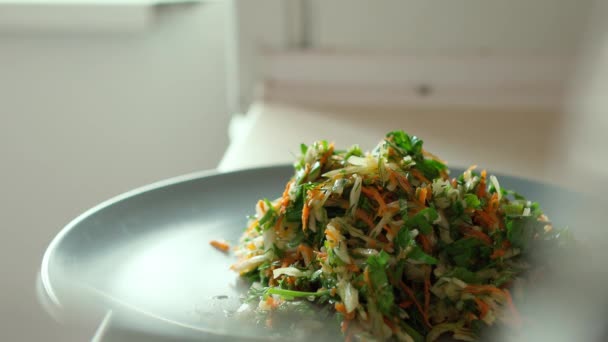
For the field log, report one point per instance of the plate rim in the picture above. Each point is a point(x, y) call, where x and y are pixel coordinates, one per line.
point(44, 273)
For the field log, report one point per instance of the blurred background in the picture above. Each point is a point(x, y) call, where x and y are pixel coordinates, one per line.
point(98, 97)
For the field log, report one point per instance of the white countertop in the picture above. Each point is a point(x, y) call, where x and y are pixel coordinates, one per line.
point(514, 143)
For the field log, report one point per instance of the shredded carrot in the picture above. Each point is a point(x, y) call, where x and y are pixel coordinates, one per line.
point(481, 236)
point(390, 324)
point(333, 291)
point(344, 325)
point(271, 302)
point(427, 292)
point(498, 253)
point(481, 187)
point(373, 193)
point(485, 219)
point(493, 203)
point(342, 309)
point(480, 289)
point(220, 245)
point(454, 183)
point(470, 317)
point(261, 206)
point(288, 260)
point(482, 306)
point(277, 225)
point(252, 226)
point(361, 215)
point(390, 230)
point(406, 304)
point(330, 234)
point(403, 182)
point(366, 277)
point(306, 252)
point(422, 195)
point(420, 176)
point(352, 267)
point(305, 213)
point(327, 154)
point(410, 293)
point(321, 255)
point(425, 242)
point(391, 177)
point(285, 197)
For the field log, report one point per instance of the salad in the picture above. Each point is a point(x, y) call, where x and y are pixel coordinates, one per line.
point(392, 245)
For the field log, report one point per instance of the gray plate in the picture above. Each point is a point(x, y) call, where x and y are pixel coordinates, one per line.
point(145, 255)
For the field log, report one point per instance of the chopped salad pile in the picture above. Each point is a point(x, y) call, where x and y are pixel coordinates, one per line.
point(391, 244)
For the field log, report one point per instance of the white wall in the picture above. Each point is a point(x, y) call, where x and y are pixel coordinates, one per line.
point(587, 118)
point(514, 26)
point(84, 117)
point(457, 29)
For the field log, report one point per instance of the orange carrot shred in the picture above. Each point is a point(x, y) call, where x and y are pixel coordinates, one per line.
point(279, 222)
point(341, 308)
point(352, 267)
point(427, 292)
point(482, 306)
point(410, 293)
point(485, 219)
point(425, 242)
point(361, 215)
point(498, 253)
point(481, 187)
point(420, 176)
point(493, 203)
point(406, 304)
point(373, 193)
point(327, 154)
point(481, 236)
point(480, 289)
point(332, 235)
point(305, 213)
point(344, 325)
point(285, 197)
point(390, 324)
point(403, 182)
point(389, 229)
point(306, 252)
point(220, 245)
point(366, 277)
point(422, 196)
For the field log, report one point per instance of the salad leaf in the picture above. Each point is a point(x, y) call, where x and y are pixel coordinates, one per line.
point(423, 220)
point(382, 289)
